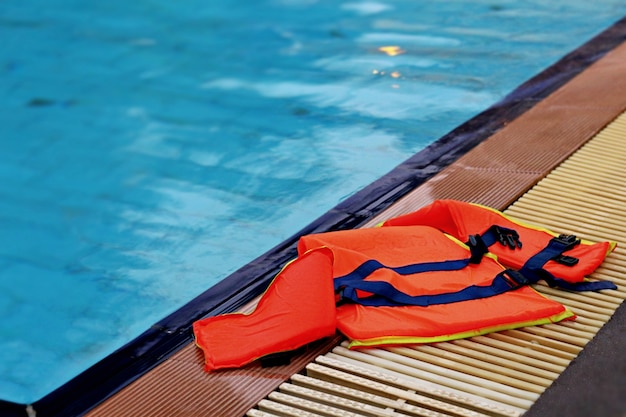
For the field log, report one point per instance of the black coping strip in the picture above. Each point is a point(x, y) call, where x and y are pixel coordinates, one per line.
point(166, 337)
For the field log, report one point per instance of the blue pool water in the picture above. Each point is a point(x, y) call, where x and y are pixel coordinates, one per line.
point(149, 147)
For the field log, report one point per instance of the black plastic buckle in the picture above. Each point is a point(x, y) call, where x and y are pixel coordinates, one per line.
point(507, 237)
point(516, 278)
point(566, 260)
point(568, 241)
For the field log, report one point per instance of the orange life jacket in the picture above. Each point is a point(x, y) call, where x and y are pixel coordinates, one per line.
point(410, 283)
point(414, 284)
point(297, 308)
point(561, 260)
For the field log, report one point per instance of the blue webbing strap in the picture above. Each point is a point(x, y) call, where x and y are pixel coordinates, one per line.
point(385, 294)
point(369, 267)
point(554, 249)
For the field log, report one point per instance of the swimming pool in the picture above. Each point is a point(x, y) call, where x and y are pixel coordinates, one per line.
point(151, 148)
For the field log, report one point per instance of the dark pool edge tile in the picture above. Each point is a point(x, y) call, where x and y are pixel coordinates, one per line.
point(166, 337)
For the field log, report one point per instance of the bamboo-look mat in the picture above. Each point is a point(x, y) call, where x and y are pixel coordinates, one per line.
point(499, 374)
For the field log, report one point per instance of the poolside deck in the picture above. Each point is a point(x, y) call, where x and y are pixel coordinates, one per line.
point(562, 163)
